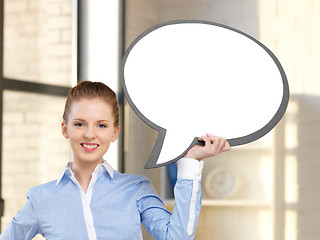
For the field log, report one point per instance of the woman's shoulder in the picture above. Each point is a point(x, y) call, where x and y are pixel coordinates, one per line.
point(133, 182)
point(130, 177)
point(43, 189)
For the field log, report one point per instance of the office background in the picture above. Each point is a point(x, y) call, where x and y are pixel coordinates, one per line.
point(47, 46)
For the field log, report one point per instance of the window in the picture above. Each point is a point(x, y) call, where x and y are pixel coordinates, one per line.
point(42, 43)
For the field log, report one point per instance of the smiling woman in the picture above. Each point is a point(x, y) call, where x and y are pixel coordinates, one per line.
point(91, 123)
point(91, 200)
point(90, 129)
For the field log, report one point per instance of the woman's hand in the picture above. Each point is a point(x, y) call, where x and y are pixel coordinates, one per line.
point(213, 146)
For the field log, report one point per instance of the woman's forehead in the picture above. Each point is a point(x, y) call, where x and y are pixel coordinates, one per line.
point(94, 107)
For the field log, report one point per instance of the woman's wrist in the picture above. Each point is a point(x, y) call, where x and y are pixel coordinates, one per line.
point(190, 169)
point(191, 156)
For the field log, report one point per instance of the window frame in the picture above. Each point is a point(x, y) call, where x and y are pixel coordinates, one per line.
point(56, 90)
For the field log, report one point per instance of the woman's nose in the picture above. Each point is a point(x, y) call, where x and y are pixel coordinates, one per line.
point(90, 133)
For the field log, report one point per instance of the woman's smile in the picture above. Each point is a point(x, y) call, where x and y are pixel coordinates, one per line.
point(89, 147)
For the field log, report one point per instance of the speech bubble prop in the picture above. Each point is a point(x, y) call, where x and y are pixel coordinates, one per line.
point(187, 78)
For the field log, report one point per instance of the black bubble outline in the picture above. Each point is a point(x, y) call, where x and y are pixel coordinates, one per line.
point(152, 162)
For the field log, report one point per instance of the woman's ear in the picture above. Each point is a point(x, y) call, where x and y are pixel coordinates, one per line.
point(115, 134)
point(64, 130)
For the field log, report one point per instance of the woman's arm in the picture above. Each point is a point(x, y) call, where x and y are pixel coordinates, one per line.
point(181, 224)
point(24, 226)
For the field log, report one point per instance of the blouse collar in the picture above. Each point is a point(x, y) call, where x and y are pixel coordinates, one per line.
point(104, 166)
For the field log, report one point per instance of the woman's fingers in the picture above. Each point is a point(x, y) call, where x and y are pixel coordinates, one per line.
point(226, 147)
point(217, 144)
point(214, 145)
point(224, 143)
point(221, 145)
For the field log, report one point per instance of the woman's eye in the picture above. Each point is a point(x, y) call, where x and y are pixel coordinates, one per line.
point(102, 126)
point(78, 124)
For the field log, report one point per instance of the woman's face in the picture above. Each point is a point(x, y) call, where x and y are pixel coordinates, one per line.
point(90, 129)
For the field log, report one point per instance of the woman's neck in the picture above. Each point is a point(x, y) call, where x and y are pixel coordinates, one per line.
point(83, 172)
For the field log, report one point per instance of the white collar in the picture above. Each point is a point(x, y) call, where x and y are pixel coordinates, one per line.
point(102, 166)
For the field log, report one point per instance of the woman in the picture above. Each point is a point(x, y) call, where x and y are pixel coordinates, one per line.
point(90, 200)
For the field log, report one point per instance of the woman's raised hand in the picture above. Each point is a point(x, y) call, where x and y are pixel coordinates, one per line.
point(214, 145)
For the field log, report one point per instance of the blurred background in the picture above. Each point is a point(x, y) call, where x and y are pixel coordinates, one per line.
point(270, 189)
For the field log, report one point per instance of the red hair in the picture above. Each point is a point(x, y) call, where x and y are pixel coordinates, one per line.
point(87, 89)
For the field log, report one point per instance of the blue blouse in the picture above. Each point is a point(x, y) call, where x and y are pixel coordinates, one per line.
point(119, 204)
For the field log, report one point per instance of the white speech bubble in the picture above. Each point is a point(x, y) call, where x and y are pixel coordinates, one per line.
point(188, 78)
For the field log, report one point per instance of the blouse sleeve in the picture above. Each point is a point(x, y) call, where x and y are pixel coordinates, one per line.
point(181, 224)
point(24, 226)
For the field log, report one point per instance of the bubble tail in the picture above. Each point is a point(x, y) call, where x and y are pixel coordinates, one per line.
point(152, 162)
point(155, 156)
point(161, 155)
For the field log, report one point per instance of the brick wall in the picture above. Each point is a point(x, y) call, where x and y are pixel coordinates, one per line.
point(34, 150)
point(37, 48)
point(37, 43)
